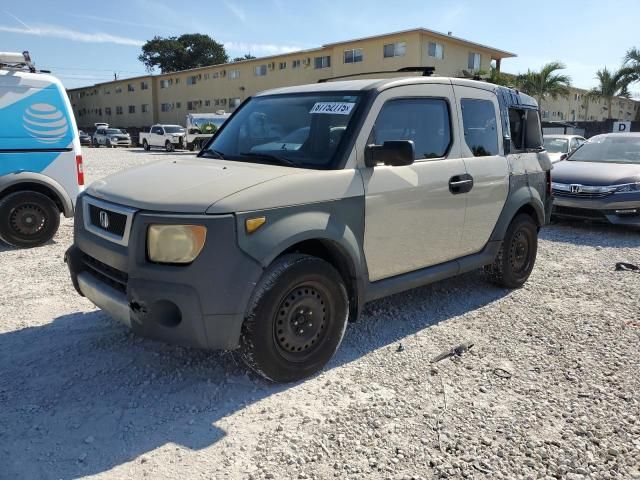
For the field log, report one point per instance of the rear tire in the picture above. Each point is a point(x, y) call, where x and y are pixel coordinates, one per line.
point(517, 255)
point(145, 145)
point(168, 146)
point(28, 219)
point(297, 318)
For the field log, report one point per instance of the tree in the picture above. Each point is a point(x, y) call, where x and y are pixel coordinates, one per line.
point(612, 84)
point(190, 50)
point(247, 56)
point(545, 83)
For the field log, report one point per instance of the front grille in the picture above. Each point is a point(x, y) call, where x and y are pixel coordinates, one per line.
point(117, 222)
point(106, 274)
point(587, 195)
point(597, 215)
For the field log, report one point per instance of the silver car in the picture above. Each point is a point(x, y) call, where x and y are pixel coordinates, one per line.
point(560, 146)
point(600, 181)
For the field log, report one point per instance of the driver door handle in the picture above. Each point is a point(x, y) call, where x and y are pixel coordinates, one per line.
point(460, 183)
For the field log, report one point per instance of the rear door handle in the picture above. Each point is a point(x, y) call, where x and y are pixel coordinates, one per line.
point(460, 183)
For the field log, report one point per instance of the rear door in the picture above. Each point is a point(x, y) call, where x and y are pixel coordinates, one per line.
point(413, 217)
point(485, 163)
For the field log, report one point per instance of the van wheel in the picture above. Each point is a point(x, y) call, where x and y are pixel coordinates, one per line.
point(28, 219)
point(297, 319)
point(95, 143)
point(168, 146)
point(108, 144)
point(145, 145)
point(517, 255)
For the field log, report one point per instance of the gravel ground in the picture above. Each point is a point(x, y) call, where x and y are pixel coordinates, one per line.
point(548, 390)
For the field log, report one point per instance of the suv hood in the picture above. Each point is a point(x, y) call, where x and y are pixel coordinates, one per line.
point(595, 173)
point(183, 186)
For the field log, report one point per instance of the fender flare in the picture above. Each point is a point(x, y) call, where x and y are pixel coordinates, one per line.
point(13, 179)
point(517, 199)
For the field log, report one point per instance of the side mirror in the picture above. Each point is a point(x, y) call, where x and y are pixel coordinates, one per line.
point(396, 153)
point(506, 144)
point(564, 156)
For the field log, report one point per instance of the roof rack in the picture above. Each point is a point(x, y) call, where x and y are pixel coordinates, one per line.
point(16, 60)
point(426, 72)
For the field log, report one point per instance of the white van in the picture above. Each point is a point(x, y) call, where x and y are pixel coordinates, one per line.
point(40, 159)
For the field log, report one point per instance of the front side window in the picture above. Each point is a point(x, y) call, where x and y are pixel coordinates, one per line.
point(299, 130)
point(424, 121)
point(480, 126)
point(353, 55)
point(474, 61)
point(322, 62)
point(397, 49)
point(436, 50)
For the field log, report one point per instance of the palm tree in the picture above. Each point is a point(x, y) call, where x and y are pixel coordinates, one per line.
point(632, 61)
point(545, 83)
point(612, 84)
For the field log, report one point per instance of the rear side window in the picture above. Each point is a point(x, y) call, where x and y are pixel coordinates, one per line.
point(424, 121)
point(479, 123)
point(526, 132)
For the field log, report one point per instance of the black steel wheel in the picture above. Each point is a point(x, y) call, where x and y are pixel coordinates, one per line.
point(168, 146)
point(517, 256)
point(145, 145)
point(28, 219)
point(297, 318)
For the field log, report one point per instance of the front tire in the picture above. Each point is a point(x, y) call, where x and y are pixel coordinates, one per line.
point(517, 255)
point(168, 146)
point(28, 219)
point(297, 319)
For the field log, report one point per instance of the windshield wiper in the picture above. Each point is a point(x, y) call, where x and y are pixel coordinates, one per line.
point(270, 157)
point(210, 152)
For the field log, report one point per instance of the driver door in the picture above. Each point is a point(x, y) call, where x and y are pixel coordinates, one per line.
point(414, 215)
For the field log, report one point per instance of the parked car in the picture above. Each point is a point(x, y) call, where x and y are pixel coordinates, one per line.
point(168, 137)
point(560, 146)
point(85, 138)
point(273, 252)
point(40, 159)
point(111, 137)
point(601, 181)
point(202, 126)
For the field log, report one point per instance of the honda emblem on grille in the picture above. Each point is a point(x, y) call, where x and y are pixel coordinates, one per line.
point(104, 219)
point(574, 189)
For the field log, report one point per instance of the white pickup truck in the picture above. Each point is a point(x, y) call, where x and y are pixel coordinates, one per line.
point(202, 126)
point(168, 137)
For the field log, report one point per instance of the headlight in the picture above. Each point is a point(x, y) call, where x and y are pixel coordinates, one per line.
point(175, 243)
point(628, 188)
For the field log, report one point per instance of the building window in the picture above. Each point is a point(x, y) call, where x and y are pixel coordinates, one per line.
point(164, 83)
point(132, 109)
point(260, 70)
point(144, 86)
point(436, 50)
point(431, 136)
point(130, 88)
point(194, 104)
point(474, 61)
point(107, 110)
point(118, 110)
point(283, 65)
point(295, 64)
point(192, 80)
point(397, 49)
point(206, 76)
point(118, 90)
point(207, 103)
point(144, 108)
point(165, 107)
point(322, 62)
point(480, 126)
point(234, 102)
point(177, 81)
point(353, 55)
point(178, 105)
point(233, 74)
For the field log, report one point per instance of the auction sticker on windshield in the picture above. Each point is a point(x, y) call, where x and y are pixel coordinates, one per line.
point(334, 108)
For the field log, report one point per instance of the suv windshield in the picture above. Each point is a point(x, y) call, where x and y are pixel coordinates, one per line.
point(173, 129)
point(300, 130)
point(556, 145)
point(111, 131)
point(612, 149)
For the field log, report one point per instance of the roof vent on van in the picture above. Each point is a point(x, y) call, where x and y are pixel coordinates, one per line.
point(16, 60)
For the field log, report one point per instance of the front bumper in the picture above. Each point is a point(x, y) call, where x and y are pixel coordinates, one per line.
point(617, 209)
point(200, 305)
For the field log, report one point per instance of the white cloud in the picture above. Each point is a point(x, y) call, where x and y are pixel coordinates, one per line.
point(68, 34)
point(119, 22)
point(237, 11)
point(259, 48)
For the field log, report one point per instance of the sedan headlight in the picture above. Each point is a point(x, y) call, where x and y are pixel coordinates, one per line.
point(175, 243)
point(628, 188)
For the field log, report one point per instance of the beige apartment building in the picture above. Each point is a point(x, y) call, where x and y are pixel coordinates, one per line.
point(167, 98)
point(579, 107)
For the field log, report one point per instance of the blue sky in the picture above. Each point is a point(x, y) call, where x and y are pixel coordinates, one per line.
point(86, 42)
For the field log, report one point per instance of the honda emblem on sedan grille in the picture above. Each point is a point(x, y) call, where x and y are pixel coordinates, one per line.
point(574, 189)
point(104, 219)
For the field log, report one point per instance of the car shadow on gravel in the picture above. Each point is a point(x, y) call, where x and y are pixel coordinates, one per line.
point(591, 234)
point(82, 395)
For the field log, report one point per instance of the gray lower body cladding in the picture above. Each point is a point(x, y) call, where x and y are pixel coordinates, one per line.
point(202, 304)
point(617, 209)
